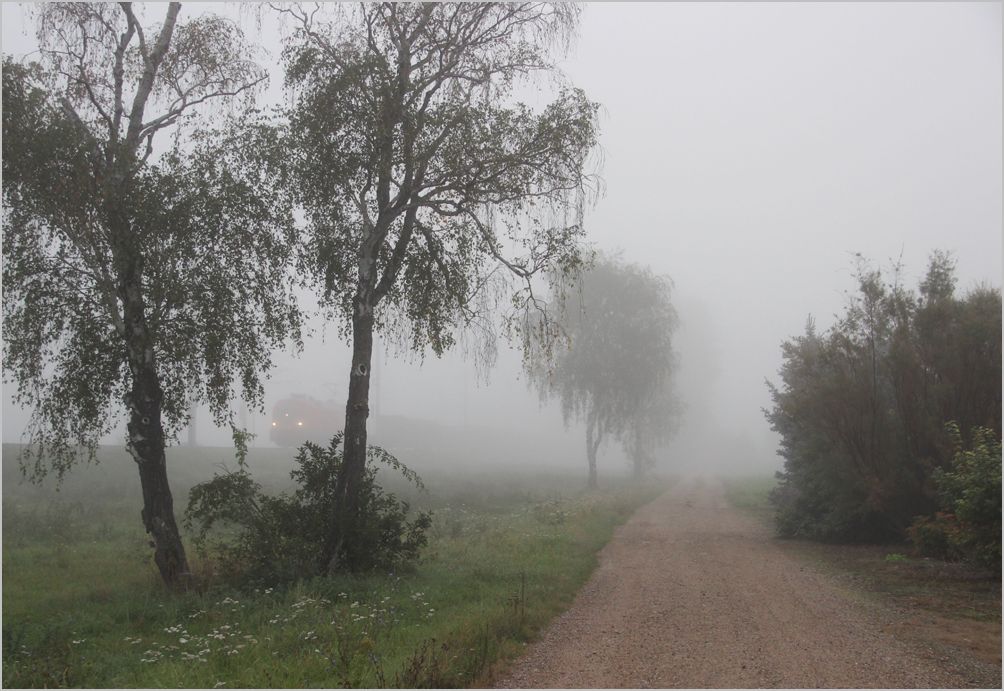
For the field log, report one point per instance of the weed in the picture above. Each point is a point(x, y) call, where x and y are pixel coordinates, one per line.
point(518, 600)
point(425, 668)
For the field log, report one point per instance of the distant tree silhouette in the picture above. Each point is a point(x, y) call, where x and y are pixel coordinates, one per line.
point(614, 369)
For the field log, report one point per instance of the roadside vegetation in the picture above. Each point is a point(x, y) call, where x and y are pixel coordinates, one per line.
point(890, 421)
point(83, 605)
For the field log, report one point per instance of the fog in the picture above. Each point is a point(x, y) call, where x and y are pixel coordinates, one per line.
point(748, 152)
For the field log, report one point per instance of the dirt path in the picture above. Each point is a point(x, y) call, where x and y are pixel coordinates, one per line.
point(691, 593)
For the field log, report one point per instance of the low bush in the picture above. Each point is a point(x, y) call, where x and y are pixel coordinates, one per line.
point(274, 539)
point(936, 536)
point(969, 525)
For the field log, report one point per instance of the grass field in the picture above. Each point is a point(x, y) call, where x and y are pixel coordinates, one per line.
point(82, 605)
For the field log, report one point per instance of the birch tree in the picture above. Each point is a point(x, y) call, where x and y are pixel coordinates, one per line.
point(432, 195)
point(138, 276)
point(613, 370)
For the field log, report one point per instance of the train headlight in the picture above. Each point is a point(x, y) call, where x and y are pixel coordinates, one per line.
point(274, 423)
point(299, 423)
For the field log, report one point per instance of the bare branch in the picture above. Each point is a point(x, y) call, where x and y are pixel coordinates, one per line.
point(151, 64)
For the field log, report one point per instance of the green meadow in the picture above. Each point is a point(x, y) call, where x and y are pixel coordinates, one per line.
point(83, 605)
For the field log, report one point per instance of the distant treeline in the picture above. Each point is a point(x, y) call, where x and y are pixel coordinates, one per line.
point(877, 415)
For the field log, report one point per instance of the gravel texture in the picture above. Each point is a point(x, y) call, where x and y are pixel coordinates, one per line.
point(692, 594)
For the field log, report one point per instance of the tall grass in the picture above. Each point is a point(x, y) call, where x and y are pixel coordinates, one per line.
point(82, 605)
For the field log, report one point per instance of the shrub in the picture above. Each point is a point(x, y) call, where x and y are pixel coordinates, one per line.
point(970, 495)
point(860, 410)
point(936, 536)
point(281, 538)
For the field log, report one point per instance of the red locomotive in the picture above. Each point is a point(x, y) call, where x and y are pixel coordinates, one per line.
point(301, 418)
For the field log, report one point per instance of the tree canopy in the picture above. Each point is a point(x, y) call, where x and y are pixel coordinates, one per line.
point(215, 243)
point(424, 181)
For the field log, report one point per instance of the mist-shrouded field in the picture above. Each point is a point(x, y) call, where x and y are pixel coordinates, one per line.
point(83, 605)
point(676, 327)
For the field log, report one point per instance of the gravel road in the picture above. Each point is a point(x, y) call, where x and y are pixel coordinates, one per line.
point(691, 593)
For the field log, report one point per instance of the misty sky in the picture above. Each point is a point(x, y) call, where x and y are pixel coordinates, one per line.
point(748, 151)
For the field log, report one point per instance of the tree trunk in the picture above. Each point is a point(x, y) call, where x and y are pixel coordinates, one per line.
point(146, 433)
point(192, 430)
point(639, 456)
point(356, 414)
point(593, 437)
point(158, 503)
